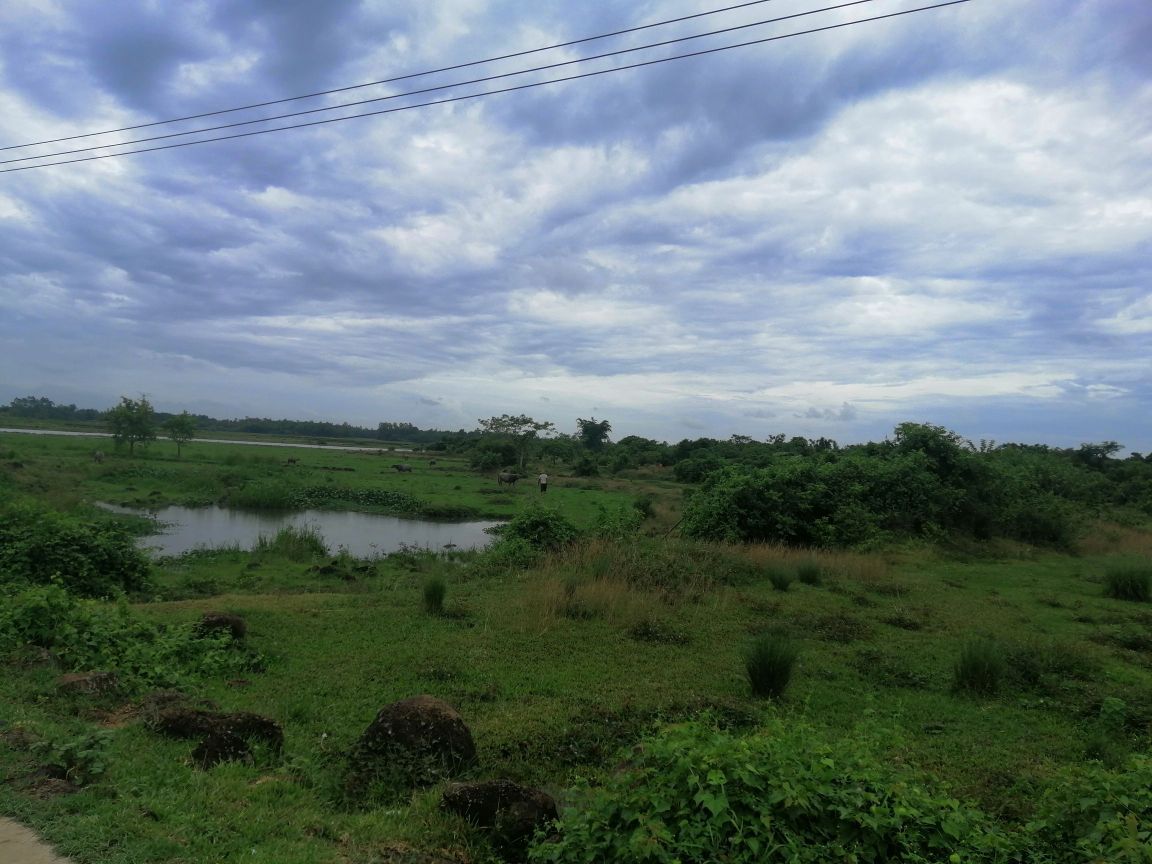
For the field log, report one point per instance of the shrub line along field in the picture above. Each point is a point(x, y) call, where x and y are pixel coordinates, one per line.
point(927, 702)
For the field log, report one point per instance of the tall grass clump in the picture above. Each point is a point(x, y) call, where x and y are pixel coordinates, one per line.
point(434, 591)
point(294, 542)
point(781, 579)
point(769, 664)
point(980, 667)
point(1131, 582)
point(809, 572)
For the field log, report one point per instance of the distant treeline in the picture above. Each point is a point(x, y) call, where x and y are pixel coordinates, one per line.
point(41, 408)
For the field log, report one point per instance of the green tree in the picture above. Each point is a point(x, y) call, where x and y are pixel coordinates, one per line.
point(132, 422)
point(181, 428)
point(594, 433)
point(520, 429)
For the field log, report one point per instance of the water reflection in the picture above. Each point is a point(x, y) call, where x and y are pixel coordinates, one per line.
point(362, 534)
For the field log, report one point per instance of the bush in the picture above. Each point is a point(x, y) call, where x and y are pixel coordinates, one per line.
point(539, 527)
point(695, 794)
point(1095, 815)
point(89, 558)
point(768, 665)
point(980, 667)
point(1133, 582)
point(87, 635)
point(434, 590)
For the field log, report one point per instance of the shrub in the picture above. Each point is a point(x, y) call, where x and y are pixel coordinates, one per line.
point(89, 558)
point(87, 635)
point(980, 667)
point(1095, 815)
point(769, 663)
point(79, 760)
point(781, 579)
point(539, 527)
point(434, 590)
point(695, 794)
point(1133, 582)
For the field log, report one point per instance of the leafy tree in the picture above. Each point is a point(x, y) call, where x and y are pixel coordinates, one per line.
point(180, 428)
point(521, 429)
point(132, 421)
point(594, 433)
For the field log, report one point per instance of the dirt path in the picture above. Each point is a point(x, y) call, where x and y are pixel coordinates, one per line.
point(18, 845)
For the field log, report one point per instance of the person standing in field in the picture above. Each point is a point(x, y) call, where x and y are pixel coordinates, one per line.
point(543, 478)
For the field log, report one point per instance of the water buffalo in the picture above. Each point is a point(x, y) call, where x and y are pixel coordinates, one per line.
point(97, 455)
point(402, 469)
point(506, 477)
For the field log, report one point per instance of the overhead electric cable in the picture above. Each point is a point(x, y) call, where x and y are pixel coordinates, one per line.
point(491, 92)
point(398, 77)
point(424, 90)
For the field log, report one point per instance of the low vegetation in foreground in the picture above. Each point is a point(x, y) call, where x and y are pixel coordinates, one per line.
point(673, 698)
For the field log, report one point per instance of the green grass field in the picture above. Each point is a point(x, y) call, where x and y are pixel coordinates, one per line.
point(560, 667)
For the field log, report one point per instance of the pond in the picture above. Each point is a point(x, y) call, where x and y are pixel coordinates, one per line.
point(364, 535)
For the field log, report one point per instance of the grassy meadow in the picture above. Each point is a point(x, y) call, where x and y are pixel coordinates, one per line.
point(991, 672)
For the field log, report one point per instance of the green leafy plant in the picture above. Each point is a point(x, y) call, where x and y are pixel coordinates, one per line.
point(90, 558)
point(81, 759)
point(1095, 815)
point(768, 665)
point(539, 527)
point(88, 635)
point(695, 794)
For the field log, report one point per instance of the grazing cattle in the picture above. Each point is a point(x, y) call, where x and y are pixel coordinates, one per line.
point(431, 461)
point(506, 477)
point(289, 461)
point(98, 456)
point(402, 469)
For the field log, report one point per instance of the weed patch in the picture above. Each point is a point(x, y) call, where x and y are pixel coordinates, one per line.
point(769, 663)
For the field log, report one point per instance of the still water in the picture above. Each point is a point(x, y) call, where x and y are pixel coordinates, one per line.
point(362, 534)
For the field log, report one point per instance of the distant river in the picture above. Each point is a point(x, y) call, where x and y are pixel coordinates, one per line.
point(217, 441)
point(362, 534)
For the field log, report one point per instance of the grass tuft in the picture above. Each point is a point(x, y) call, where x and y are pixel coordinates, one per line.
point(1132, 582)
point(781, 579)
point(434, 591)
point(980, 667)
point(296, 543)
point(809, 572)
point(769, 664)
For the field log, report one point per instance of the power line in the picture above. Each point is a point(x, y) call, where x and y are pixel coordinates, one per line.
point(397, 78)
point(424, 90)
point(491, 92)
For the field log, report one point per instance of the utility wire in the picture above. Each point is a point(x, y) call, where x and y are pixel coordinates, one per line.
point(492, 92)
point(424, 90)
point(397, 78)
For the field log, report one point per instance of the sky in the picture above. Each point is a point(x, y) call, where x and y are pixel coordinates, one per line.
point(942, 217)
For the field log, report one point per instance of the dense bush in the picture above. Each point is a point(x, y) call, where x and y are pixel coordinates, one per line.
point(695, 794)
point(1095, 815)
point(89, 558)
point(87, 635)
point(538, 527)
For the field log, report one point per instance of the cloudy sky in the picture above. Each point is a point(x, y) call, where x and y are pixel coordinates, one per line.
point(942, 217)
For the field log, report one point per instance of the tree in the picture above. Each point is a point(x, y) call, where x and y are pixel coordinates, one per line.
point(594, 433)
point(521, 429)
point(180, 428)
point(132, 421)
